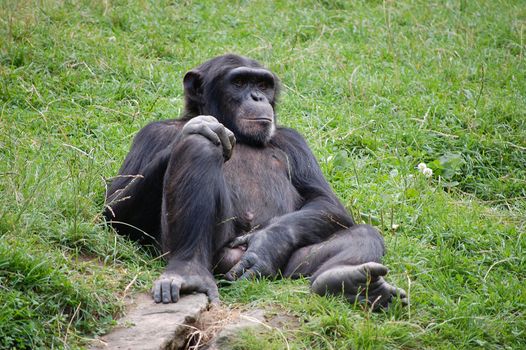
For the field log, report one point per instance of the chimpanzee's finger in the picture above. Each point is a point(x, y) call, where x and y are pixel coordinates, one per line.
point(240, 240)
point(213, 294)
point(203, 129)
point(165, 290)
point(231, 142)
point(201, 285)
point(175, 288)
point(375, 269)
point(156, 291)
point(206, 118)
point(250, 274)
point(222, 133)
point(239, 269)
point(231, 137)
point(394, 291)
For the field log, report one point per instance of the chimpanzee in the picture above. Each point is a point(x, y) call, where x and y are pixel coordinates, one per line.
point(225, 190)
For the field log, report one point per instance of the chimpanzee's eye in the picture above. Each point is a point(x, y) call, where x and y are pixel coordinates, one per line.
point(238, 83)
point(262, 85)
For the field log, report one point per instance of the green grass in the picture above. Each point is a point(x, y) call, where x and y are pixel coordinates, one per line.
point(375, 86)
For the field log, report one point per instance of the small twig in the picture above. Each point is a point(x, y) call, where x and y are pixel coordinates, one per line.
point(503, 200)
point(125, 176)
point(351, 80)
point(78, 150)
point(110, 209)
point(332, 219)
point(392, 217)
point(199, 335)
point(356, 174)
point(481, 90)
point(425, 117)
point(514, 145)
point(70, 322)
point(161, 256)
point(129, 285)
point(497, 262)
point(436, 325)
point(227, 220)
point(134, 227)
point(408, 296)
point(117, 193)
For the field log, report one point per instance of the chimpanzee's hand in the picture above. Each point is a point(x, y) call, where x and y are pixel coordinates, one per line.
point(184, 277)
point(213, 130)
point(266, 253)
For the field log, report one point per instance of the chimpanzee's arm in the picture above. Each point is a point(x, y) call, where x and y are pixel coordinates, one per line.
point(320, 216)
point(194, 196)
point(322, 213)
point(133, 199)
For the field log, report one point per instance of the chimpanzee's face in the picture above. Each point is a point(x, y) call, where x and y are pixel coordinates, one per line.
point(247, 105)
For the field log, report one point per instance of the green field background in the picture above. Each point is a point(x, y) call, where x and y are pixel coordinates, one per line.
point(376, 87)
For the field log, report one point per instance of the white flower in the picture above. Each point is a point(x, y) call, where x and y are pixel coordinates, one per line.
point(427, 172)
point(422, 166)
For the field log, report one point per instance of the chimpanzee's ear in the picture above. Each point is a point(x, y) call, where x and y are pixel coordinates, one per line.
point(193, 85)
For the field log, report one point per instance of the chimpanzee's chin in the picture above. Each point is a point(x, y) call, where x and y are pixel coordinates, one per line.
point(256, 133)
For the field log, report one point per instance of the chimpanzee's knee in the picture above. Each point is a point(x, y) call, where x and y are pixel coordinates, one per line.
point(368, 235)
point(354, 246)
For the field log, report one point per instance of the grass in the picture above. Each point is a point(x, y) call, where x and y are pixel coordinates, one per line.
point(375, 86)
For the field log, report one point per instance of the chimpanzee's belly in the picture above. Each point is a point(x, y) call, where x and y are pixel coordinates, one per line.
point(261, 189)
point(260, 185)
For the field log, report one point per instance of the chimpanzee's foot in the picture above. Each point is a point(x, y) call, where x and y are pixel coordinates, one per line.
point(362, 283)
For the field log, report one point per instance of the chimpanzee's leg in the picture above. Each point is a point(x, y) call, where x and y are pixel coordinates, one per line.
point(196, 204)
point(357, 245)
point(349, 264)
point(195, 209)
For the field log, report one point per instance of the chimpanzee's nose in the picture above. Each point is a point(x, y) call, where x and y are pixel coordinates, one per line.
point(256, 96)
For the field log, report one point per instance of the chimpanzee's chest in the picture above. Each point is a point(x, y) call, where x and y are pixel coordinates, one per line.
point(260, 183)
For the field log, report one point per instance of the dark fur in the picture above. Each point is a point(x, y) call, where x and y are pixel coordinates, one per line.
point(192, 203)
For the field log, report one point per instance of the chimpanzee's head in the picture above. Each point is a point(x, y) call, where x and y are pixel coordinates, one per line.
point(239, 92)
